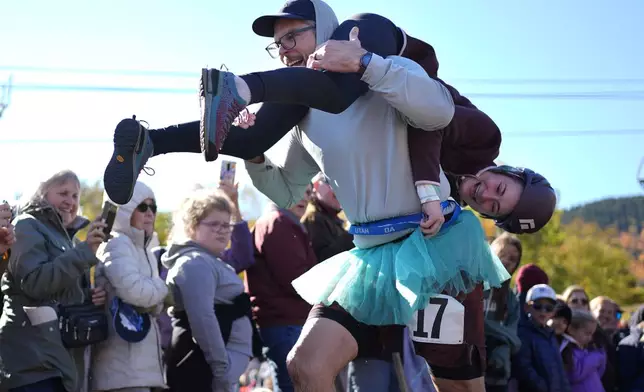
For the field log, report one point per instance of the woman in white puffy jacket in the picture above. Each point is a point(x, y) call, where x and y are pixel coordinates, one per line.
point(131, 274)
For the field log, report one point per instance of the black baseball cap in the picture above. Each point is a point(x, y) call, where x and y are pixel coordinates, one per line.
point(293, 9)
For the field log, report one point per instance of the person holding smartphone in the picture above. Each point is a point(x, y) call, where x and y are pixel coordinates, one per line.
point(7, 235)
point(7, 238)
point(48, 270)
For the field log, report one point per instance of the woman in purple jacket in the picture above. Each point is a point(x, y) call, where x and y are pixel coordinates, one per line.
point(584, 366)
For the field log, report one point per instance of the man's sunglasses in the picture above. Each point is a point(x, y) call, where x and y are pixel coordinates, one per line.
point(547, 308)
point(143, 208)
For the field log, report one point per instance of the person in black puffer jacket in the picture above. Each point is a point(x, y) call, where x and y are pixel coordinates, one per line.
point(630, 355)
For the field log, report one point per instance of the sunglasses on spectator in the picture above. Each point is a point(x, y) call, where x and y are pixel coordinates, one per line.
point(543, 307)
point(579, 301)
point(143, 208)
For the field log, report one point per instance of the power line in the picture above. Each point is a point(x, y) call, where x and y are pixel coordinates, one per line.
point(123, 72)
point(640, 174)
point(5, 96)
point(523, 81)
point(576, 133)
point(112, 89)
point(529, 134)
point(588, 95)
point(191, 74)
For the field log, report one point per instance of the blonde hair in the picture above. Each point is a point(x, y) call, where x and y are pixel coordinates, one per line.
point(581, 318)
point(570, 290)
point(507, 239)
point(57, 179)
point(195, 209)
point(597, 302)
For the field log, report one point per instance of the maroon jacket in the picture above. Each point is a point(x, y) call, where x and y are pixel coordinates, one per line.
point(283, 252)
point(467, 145)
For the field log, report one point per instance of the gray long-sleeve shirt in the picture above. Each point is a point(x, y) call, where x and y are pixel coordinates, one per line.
point(363, 150)
point(198, 281)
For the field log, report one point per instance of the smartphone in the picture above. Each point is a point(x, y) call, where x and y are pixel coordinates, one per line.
point(228, 171)
point(108, 216)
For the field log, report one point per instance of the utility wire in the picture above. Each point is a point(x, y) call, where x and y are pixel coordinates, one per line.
point(576, 133)
point(191, 74)
point(588, 95)
point(5, 96)
point(528, 134)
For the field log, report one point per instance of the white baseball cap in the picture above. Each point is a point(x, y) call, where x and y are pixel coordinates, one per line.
point(541, 291)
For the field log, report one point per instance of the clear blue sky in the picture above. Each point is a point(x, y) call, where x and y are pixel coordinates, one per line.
point(579, 42)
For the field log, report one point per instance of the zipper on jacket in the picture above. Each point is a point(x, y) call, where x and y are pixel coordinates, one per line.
point(60, 222)
point(156, 325)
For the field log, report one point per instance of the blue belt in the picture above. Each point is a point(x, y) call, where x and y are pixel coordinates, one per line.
point(393, 225)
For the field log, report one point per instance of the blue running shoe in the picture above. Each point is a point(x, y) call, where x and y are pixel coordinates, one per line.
point(132, 149)
point(220, 105)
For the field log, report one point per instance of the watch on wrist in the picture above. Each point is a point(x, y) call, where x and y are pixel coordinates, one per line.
point(364, 62)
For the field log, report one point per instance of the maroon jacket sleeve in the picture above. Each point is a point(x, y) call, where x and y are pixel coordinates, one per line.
point(470, 146)
point(425, 154)
point(286, 249)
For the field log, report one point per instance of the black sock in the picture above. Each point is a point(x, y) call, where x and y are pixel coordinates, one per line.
point(177, 138)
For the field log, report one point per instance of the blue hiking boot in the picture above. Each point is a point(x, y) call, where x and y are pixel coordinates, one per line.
point(220, 105)
point(132, 149)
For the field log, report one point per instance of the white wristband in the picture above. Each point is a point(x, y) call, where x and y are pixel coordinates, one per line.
point(427, 193)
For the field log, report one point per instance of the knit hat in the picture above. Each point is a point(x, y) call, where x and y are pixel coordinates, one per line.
point(530, 275)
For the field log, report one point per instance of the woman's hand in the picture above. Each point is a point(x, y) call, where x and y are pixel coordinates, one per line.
point(233, 193)
point(230, 190)
point(433, 219)
point(95, 235)
point(245, 119)
point(99, 296)
point(7, 238)
point(5, 214)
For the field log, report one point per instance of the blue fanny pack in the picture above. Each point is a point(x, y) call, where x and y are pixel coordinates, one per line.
point(393, 225)
point(129, 324)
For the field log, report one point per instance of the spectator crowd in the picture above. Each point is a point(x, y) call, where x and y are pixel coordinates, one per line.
point(215, 310)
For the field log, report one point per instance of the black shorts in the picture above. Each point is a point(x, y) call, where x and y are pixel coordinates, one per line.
point(374, 341)
point(453, 362)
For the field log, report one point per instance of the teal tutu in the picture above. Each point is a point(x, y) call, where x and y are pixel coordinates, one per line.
point(386, 284)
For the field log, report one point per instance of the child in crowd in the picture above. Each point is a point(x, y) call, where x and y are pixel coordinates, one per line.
point(561, 320)
point(538, 366)
point(584, 365)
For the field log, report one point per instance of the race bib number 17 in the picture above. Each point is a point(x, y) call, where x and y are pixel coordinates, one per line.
point(441, 322)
